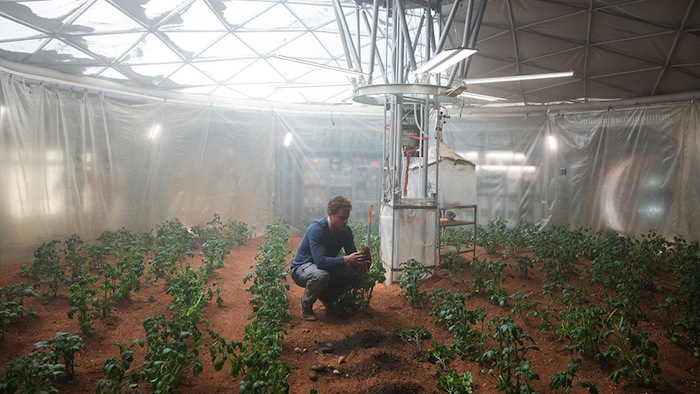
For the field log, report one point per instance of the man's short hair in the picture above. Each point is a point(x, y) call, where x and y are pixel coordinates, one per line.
point(337, 203)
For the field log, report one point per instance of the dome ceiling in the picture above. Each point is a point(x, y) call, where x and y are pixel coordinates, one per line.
point(236, 49)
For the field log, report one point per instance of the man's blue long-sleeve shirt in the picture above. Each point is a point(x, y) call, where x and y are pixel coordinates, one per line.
point(321, 246)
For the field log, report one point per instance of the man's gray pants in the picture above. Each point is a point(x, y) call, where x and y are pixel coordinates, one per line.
point(326, 284)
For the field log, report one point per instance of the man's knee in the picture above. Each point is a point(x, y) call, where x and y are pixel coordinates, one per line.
point(346, 274)
point(318, 278)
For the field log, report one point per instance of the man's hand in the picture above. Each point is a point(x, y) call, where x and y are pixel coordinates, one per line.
point(362, 261)
point(354, 258)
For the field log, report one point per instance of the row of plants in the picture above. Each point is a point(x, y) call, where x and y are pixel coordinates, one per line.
point(115, 266)
point(622, 267)
point(498, 344)
point(173, 340)
point(594, 294)
point(111, 269)
point(256, 357)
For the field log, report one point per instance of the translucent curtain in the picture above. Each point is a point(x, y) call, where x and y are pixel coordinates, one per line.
point(79, 162)
point(327, 153)
point(629, 170)
point(512, 167)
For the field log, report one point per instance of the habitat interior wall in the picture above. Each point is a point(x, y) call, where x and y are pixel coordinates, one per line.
point(82, 162)
point(630, 170)
point(327, 154)
point(75, 161)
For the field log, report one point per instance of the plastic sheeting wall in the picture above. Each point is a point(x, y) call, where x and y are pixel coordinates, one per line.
point(327, 154)
point(82, 162)
point(629, 170)
point(79, 162)
point(75, 161)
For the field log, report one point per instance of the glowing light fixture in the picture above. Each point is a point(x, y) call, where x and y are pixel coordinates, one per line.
point(155, 132)
point(444, 60)
point(483, 97)
point(288, 139)
point(513, 78)
point(319, 65)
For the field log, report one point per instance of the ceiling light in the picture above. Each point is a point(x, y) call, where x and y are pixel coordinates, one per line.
point(511, 78)
point(319, 65)
point(480, 96)
point(288, 139)
point(444, 60)
point(155, 132)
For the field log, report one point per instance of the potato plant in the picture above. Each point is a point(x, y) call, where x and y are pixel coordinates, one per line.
point(449, 310)
point(31, 373)
point(17, 293)
point(82, 294)
point(48, 268)
point(556, 250)
point(487, 280)
point(519, 237)
point(62, 349)
point(414, 274)
point(413, 336)
point(12, 304)
point(636, 352)
point(75, 258)
point(440, 355)
point(458, 236)
point(360, 294)
point(453, 265)
point(506, 358)
point(217, 240)
point(9, 311)
point(48, 363)
point(173, 244)
point(454, 383)
point(118, 374)
point(524, 305)
point(683, 306)
point(564, 380)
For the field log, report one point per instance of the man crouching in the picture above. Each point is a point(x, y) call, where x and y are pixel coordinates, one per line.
point(316, 265)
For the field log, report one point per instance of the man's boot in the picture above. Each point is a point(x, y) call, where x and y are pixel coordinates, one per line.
point(307, 313)
point(326, 303)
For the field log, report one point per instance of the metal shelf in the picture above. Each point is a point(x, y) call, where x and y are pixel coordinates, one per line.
point(444, 222)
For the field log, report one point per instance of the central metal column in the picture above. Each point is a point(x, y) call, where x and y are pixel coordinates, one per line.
point(409, 212)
